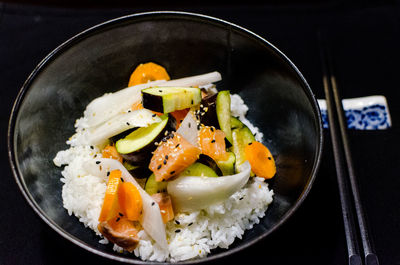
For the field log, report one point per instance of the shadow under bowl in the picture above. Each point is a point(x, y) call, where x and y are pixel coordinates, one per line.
point(100, 60)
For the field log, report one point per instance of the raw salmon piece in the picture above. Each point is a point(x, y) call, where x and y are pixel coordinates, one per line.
point(212, 143)
point(172, 156)
point(119, 230)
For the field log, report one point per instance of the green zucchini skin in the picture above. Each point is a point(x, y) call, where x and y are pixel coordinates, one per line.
point(142, 156)
point(241, 137)
point(169, 99)
point(152, 186)
point(227, 167)
point(223, 106)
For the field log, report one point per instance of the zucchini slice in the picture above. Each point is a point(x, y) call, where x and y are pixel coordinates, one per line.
point(223, 107)
point(141, 137)
point(152, 186)
point(228, 166)
point(169, 99)
point(241, 137)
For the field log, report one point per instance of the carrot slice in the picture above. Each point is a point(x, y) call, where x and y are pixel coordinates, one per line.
point(130, 201)
point(164, 202)
point(179, 115)
point(110, 206)
point(111, 152)
point(148, 72)
point(261, 160)
point(212, 143)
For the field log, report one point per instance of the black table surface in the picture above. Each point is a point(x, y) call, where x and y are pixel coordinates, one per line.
point(365, 40)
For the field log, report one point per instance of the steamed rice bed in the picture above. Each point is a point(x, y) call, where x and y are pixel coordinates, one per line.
point(189, 236)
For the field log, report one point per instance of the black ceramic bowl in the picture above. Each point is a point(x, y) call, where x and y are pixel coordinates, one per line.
point(101, 59)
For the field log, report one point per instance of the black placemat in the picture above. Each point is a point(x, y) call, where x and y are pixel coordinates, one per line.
point(365, 41)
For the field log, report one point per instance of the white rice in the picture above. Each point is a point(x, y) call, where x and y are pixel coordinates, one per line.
point(189, 235)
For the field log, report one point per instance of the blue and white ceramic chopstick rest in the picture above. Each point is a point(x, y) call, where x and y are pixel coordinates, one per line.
point(365, 113)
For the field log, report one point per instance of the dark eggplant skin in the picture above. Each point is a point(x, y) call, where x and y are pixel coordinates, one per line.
point(115, 138)
point(141, 172)
point(142, 157)
point(152, 102)
point(208, 161)
point(209, 108)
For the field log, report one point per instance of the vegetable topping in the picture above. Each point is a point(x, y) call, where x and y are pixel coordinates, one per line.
point(148, 72)
point(261, 160)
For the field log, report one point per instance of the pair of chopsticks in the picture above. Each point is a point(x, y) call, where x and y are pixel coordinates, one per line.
point(352, 210)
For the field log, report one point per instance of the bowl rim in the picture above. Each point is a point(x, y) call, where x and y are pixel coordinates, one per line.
point(131, 17)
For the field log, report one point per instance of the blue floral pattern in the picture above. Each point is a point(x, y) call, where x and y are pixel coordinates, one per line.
point(373, 117)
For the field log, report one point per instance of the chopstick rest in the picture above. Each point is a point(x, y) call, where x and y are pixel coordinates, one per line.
point(364, 113)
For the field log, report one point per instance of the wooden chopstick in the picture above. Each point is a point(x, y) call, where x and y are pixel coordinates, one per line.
point(341, 145)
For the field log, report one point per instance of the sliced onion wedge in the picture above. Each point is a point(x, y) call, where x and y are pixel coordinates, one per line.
point(151, 218)
point(103, 108)
point(188, 129)
point(120, 123)
point(190, 193)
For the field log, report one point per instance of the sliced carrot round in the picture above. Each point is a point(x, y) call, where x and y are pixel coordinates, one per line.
point(110, 206)
point(261, 160)
point(130, 201)
point(148, 72)
point(111, 152)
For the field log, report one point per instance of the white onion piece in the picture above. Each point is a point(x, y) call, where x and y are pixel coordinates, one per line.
point(103, 108)
point(190, 193)
point(188, 129)
point(197, 80)
point(151, 218)
point(139, 118)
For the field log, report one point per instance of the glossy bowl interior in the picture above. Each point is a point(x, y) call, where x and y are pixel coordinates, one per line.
point(101, 59)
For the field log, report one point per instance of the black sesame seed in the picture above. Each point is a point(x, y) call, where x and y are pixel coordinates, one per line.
point(153, 115)
point(177, 230)
point(120, 214)
point(129, 111)
point(213, 141)
point(212, 129)
point(127, 123)
point(250, 143)
point(189, 124)
point(91, 147)
point(118, 219)
point(108, 173)
point(241, 198)
point(152, 204)
point(191, 102)
point(166, 156)
point(176, 146)
point(190, 224)
point(181, 121)
point(165, 162)
point(122, 179)
point(160, 90)
point(269, 158)
point(159, 166)
point(177, 222)
point(172, 172)
point(98, 162)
